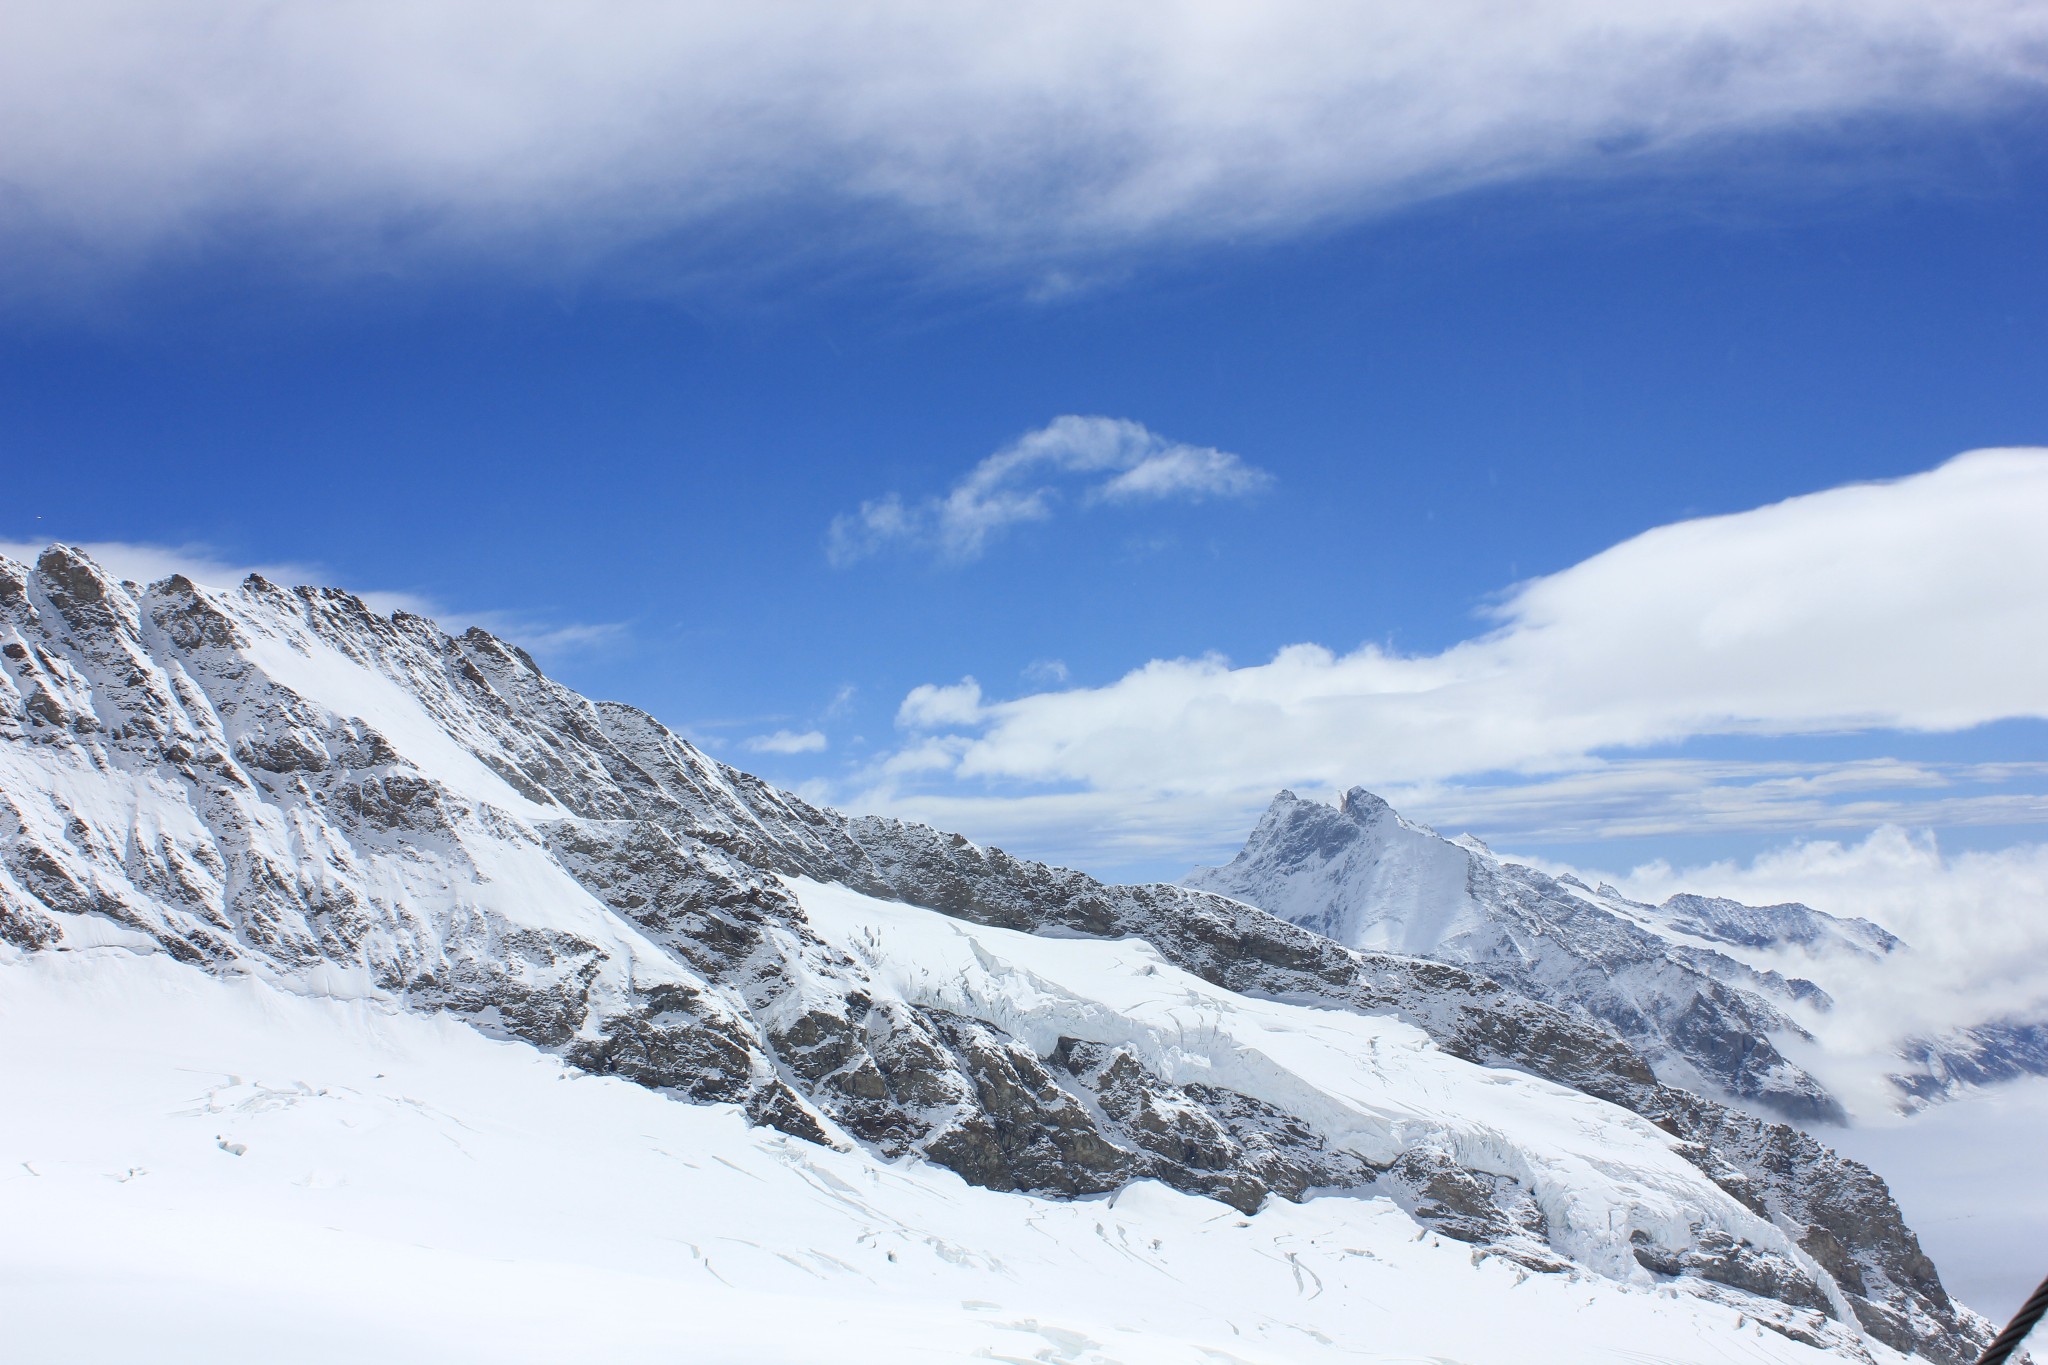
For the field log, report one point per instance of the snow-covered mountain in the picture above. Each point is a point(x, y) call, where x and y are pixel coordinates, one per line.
point(1698, 985)
point(352, 887)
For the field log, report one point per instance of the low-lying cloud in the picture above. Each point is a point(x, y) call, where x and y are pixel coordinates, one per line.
point(1988, 905)
point(1914, 605)
point(1071, 461)
point(564, 131)
point(1976, 923)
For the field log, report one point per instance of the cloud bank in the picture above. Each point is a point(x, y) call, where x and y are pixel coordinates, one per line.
point(1950, 906)
point(1915, 605)
point(578, 128)
point(1976, 921)
point(1114, 460)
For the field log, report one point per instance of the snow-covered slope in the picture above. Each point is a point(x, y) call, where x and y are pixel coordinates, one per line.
point(220, 1171)
point(1714, 993)
point(217, 806)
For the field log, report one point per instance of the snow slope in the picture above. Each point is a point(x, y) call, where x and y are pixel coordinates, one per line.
point(196, 1169)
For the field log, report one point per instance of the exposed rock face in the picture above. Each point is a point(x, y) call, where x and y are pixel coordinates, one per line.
point(1770, 1167)
point(1981, 1054)
point(1770, 926)
point(284, 782)
point(1205, 1139)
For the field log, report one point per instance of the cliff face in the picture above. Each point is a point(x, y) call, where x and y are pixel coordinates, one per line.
point(281, 782)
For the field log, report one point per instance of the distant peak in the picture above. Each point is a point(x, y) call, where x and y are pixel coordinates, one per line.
point(1361, 804)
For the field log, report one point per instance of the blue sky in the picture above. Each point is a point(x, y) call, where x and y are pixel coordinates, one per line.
point(621, 424)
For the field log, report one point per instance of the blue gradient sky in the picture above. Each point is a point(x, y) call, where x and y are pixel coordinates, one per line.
point(636, 467)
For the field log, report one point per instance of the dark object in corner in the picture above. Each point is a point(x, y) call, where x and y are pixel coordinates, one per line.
point(2008, 1341)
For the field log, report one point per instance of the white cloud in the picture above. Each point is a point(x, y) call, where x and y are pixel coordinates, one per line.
point(931, 753)
point(140, 562)
point(786, 742)
point(131, 126)
point(1912, 605)
point(931, 707)
point(1009, 487)
point(1991, 906)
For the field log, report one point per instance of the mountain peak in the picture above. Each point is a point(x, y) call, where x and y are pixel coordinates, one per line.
point(1363, 805)
point(73, 575)
point(1666, 978)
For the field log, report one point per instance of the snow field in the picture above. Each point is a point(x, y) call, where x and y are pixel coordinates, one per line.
point(197, 1169)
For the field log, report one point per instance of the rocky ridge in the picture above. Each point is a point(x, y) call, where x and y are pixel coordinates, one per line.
point(283, 781)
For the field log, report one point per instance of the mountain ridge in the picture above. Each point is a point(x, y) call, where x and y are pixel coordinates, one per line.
point(284, 782)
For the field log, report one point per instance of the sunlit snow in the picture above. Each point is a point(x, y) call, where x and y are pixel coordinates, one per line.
point(207, 1170)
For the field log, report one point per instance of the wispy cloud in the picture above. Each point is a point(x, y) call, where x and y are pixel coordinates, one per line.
point(786, 742)
point(145, 563)
point(1907, 606)
point(1046, 672)
point(1044, 131)
point(1101, 459)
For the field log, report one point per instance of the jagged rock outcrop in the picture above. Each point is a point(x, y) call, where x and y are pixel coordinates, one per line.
point(283, 781)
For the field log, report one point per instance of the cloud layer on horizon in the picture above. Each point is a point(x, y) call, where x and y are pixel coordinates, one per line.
point(1914, 605)
point(347, 132)
point(1979, 944)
